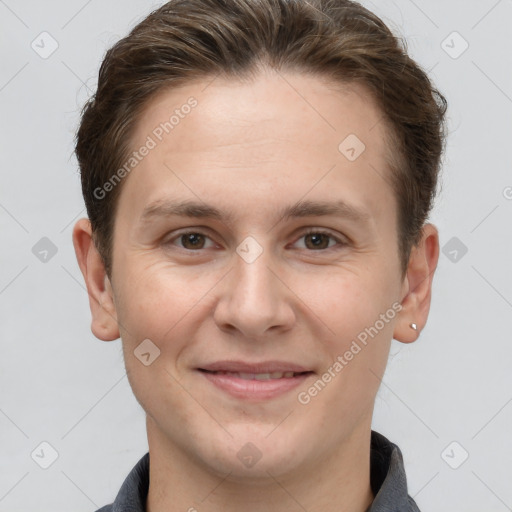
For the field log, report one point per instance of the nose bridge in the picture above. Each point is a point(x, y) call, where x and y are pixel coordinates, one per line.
point(253, 299)
point(253, 273)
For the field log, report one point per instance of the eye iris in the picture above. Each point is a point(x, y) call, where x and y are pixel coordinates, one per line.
point(192, 238)
point(196, 240)
point(318, 242)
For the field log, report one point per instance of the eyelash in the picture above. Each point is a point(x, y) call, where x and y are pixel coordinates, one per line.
point(309, 231)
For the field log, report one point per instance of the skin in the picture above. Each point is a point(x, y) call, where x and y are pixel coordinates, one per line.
point(253, 148)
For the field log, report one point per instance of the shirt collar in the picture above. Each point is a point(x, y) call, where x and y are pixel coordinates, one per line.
point(387, 477)
point(387, 480)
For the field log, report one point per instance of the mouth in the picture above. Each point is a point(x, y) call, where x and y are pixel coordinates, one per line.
point(254, 382)
point(257, 376)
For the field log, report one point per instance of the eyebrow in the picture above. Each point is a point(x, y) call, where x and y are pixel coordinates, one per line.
point(306, 208)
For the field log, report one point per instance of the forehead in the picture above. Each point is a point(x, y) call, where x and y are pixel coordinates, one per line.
point(269, 103)
point(281, 131)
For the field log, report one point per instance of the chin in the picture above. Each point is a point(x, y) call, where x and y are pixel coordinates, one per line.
point(256, 453)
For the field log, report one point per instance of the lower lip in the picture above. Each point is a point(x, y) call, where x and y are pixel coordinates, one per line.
point(254, 389)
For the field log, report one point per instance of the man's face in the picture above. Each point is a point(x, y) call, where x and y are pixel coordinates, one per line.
point(255, 288)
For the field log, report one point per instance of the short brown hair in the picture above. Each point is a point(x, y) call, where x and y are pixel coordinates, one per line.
point(340, 40)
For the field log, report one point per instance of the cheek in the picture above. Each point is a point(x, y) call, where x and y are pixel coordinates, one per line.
point(155, 300)
point(345, 301)
point(165, 306)
point(360, 317)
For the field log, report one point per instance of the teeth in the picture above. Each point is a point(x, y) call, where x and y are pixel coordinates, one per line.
point(258, 376)
point(261, 376)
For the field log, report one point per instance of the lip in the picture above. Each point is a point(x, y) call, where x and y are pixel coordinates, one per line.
point(254, 390)
point(262, 367)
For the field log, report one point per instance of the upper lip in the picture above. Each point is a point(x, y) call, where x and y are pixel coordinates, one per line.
point(262, 367)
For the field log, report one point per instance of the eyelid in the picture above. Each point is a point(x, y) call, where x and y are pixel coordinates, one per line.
point(201, 230)
point(341, 241)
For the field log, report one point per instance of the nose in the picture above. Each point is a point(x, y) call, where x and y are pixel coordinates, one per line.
point(254, 298)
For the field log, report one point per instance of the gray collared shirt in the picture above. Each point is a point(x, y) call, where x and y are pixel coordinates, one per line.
point(387, 479)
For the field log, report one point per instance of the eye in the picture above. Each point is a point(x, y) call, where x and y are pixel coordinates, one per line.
point(319, 239)
point(190, 240)
point(316, 240)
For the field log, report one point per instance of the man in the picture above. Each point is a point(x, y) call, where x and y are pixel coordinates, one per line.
point(258, 174)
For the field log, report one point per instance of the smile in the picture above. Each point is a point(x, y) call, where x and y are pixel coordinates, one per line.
point(258, 376)
point(255, 386)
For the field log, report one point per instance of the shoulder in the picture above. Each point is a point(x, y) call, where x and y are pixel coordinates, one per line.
point(387, 477)
point(133, 493)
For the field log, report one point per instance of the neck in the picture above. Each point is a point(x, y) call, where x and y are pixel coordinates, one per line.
point(339, 483)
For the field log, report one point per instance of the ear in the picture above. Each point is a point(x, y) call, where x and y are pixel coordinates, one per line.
point(104, 316)
point(417, 286)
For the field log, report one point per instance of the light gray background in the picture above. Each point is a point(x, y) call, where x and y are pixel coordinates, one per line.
point(61, 385)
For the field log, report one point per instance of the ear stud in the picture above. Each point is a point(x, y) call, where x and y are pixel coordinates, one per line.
point(414, 326)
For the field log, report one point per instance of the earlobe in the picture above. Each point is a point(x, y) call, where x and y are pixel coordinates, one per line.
point(101, 302)
point(417, 286)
